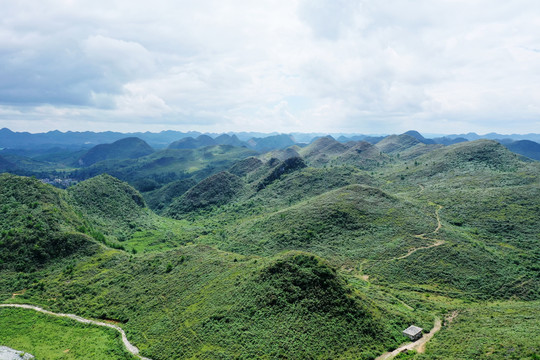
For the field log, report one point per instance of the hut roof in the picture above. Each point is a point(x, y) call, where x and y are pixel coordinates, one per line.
point(412, 330)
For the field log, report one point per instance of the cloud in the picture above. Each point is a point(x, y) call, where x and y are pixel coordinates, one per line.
point(318, 65)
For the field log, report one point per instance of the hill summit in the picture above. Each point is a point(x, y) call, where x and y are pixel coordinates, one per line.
point(128, 148)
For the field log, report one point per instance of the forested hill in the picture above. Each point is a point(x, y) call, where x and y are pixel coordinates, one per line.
point(327, 250)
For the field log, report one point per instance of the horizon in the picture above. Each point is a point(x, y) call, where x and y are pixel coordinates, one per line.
point(425, 134)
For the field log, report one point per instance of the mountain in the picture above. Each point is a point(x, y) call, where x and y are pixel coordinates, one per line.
point(362, 155)
point(415, 134)
point(282, 154)
point(449, 141)
point(38, 225)
point(366, 138)
point(495, 136)
point(290, 306)
point(526, 148)
point(323, 150)
point(326, 150)
point(468, 156)
point(78, 140)
point(271, 142)
point(330, 253)
point(352, 220)
point(394, 144)
point(225, 139)
point(6, 165)
point(128, 148)
point(109, 203)
point(214, 190)
point(161, 198)
point(165, 166)
point(280, 169)
point(191, 143)
point(245, 166)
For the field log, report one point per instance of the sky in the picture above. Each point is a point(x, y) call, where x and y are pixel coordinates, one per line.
point(372, 67)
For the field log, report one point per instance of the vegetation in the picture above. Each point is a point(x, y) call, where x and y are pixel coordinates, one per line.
point(37, 226)
point(508, 330)
point(165, 166)
point(128, 148)
point(215, 190)
point(48, 337)
point(329, 253)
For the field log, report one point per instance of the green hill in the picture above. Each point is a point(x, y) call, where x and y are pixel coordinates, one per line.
point(306, 183)
point(110, 204)
point(161, 198)
point(191, 143)
point(6, 165)
point(489, 199)
point(322, 150)
point(128, 148)
point(225, 139)
point(215, 190)
point(394, 144)
point(165, 166)
point(330, 254)
point(469, 159)
point(38, 225)
point(279, 169)
point(526, 148)
point(272, 142)
point(361, 154)
point(291, 306)
point(345, 224)
point(245, 166)
point(326, 150)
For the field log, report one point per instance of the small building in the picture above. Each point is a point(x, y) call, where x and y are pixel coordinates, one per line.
point(413, 332)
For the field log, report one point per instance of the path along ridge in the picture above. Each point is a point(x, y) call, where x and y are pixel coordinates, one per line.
point(424, 237)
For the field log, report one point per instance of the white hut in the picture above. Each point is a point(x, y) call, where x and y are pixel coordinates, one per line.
point(413, 332)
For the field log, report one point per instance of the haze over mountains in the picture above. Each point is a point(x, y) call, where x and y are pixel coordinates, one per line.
point(25, 140)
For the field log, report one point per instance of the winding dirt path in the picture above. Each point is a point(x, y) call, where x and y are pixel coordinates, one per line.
point(130, 347)
point(418, 345)
point(425, 237)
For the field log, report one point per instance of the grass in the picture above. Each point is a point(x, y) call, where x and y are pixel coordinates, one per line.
point(48, 337)
point(491, 331)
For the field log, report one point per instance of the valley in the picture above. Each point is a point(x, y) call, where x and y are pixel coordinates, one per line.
point(213, 248)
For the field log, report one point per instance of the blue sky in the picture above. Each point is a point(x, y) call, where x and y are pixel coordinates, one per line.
point(437, 66)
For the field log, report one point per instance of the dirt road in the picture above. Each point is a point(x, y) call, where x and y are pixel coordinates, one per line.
point(419, 345)
point(130, 347)
point(425, 237)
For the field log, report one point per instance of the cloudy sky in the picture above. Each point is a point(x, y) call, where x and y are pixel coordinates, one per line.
point(438, 66)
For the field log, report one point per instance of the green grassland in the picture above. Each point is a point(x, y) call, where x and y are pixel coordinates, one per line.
point(329, 256)
point(507, 330)
point(48, 338)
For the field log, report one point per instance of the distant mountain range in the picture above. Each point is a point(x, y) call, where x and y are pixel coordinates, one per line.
point(87, 139)
point(26, 144)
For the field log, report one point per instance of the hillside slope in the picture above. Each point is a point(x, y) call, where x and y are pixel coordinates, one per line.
point(292, 306)
point(38, 225)
point(111, 205)
point(128, 148)
point(214, 190)
point(346, 224)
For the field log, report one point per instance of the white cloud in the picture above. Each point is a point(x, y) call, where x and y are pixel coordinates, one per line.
point(321, 65)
